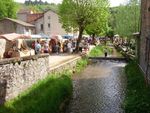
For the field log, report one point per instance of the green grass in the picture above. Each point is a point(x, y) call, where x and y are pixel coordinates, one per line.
point(99, 51)
point(137, 98)
point(96, 51)
point(81, 64)
point(44, 97)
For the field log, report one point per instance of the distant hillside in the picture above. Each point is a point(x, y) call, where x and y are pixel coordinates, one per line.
point(39, 7)
point(40, 2)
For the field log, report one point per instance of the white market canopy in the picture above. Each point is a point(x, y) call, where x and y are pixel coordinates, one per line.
point(14, 36)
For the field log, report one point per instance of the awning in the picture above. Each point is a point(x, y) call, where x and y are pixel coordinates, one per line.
point(14, 36)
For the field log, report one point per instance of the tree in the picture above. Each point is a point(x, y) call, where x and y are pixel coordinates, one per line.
point(100, 25)
point(80, 14)
point(8, 9)
point(126, 18)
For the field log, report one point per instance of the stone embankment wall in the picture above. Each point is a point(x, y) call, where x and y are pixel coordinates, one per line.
point(17, 75)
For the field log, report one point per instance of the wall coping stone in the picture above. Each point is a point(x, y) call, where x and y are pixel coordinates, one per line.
point(19, 59)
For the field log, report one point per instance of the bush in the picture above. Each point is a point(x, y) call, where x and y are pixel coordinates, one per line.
point(137, 94)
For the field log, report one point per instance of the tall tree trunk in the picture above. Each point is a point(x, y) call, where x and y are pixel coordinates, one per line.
point(81, 29)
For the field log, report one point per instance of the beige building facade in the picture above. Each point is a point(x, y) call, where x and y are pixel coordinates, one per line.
point(47, 22)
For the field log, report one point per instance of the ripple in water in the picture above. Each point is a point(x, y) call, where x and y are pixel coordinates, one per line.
point(99, 89)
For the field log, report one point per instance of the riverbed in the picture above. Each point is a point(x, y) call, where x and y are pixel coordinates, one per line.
point(100, 88)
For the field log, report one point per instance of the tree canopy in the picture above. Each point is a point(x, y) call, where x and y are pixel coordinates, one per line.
point(8, 8)
point(100, 25)
point(126, 18)
point(81, 14)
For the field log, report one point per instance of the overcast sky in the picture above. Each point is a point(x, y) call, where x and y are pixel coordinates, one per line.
point(112, 2)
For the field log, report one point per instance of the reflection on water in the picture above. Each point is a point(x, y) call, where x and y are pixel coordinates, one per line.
point(99, 89)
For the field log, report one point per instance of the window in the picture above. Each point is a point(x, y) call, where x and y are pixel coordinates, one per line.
point(42, 27)
point(48, 25)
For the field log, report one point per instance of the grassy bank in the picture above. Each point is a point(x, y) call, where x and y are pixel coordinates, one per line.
point(137, 98)
point(99, 51)
point(44, 97)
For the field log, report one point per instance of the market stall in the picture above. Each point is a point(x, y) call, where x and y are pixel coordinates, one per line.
point(15, 45)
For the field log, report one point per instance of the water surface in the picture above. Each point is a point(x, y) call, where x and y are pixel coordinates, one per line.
point(99, 89)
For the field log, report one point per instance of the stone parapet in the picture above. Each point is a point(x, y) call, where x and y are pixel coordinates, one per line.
point(18, 74)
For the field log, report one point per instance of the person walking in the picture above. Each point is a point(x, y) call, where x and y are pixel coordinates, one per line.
point(46, 47)
point(105, 52)
point(69, 46)
point(38, 47)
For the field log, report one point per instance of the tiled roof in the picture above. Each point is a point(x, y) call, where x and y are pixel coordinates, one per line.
point(18, 22)
point(34, 17)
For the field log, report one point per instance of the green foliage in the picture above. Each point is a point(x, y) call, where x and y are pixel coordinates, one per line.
point(125, 19)
point(100, 25)
point(8, 8)
point(82, 13)
point(39, 8)
point(137, 94)
point(110, 32)
point(44, 97)
point(97, 51)
point(81, 64)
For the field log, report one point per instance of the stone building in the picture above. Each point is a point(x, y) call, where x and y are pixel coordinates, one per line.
point(144, 57)
point(8, 25)
point(46, 22)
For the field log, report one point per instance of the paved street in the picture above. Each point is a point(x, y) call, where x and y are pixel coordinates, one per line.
point(57, 59)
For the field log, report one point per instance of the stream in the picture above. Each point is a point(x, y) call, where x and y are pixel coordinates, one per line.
point(100, 88)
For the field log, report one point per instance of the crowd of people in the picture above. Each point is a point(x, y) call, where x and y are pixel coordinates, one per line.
point(55, 45)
